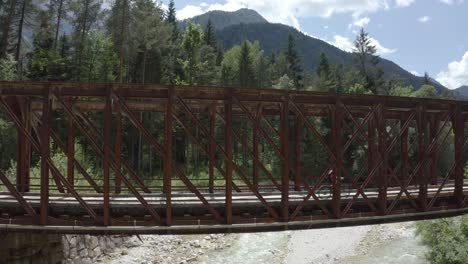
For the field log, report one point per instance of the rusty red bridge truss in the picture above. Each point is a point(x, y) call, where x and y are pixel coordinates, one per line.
point(265, 159)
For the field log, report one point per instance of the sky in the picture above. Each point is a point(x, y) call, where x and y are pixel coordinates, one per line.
point(419, 35)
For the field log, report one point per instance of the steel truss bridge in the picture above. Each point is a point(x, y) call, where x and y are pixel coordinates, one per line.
point(272, 159)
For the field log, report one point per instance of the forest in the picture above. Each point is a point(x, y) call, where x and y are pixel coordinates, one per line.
point(138, 41)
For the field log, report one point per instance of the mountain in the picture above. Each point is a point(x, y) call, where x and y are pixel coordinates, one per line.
point(222, 19)
point(234, 27)
point(463, 90)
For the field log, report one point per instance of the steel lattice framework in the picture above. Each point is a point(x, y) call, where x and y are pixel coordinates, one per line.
point(341, 159)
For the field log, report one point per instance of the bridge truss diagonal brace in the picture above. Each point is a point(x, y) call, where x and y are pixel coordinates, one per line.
point(153, 142)
point(46, 162)
point(112, 165)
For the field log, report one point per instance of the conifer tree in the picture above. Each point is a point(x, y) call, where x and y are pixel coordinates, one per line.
point(6, 26)
point(117, 25)
point(295, 71)
point(172, 20)
point(192, 40)
point(366, 62)
point(323, 73)
point(245, 66)
point(209, 35)
point(86, 14)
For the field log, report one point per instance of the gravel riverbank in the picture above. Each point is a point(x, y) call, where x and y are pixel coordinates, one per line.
point(393, 243)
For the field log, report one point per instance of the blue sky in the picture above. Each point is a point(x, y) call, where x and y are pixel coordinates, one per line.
point(419, 35)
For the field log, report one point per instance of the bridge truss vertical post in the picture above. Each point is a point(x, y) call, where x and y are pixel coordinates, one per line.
point(71, 148)
point(229, 163)
point(422, 138)
point(167, 167)
point(337, 118)
point(106, 163)
point(255, 146)
point(383, 170)
point(404, 155)
point(212, 146)
point(23, 148)
point(371, 146)
point(118, 147)
point(285, 152)
point(434, 168)
point(298, 139)
point(45, 152)
point(459, 127)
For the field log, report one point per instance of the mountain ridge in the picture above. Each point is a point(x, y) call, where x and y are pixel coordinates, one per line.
point(222, 19)
point(235, 27)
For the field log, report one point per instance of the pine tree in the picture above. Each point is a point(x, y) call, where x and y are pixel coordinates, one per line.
point(427, 79)
point(209, 35)
point(149, 34)
point(6, 26)
point(7, 68)
point(59, 10)
point(192, 39)
point(117, 25)
point(295, 71)
point(323, 73)
point(366, 61)
point(45, 63)
point(245, 66)
point(86, 15)
point(172, 20)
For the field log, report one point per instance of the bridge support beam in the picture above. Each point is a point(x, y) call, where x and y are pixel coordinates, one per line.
point(71, 149)
point(45, 152)
point(106, 138)
point(459, 143)
point(212, 149)
point(337, 117)
point(371, 152)
point(284, 136)
point(229, 156)
point(404, 151)
point(423, 172)
point(23, 147)
point(167, 167)
point(298, 139)
point(383, 170)
point(118, 147)
point(434, 168)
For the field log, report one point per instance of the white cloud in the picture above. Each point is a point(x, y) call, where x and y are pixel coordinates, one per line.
point(288, 12)
point(189, 11)
point(361, 22)
point(424, 19)
point(342, 43)
point(451, 2)
point(404, 3)
point(415, 73)
point(346, 44)
point(456, 75)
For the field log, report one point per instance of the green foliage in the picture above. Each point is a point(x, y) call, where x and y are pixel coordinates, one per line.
point(323, 71)
point(7, 68)
point(172, 20)
point(101, 59)
point(192, 39)
point(447, 240)
point(404, 91)
point(295, 71)
point(427, 91)
point(366, 62)
point(246, 76)
point(209, 36)
point(284, 83)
